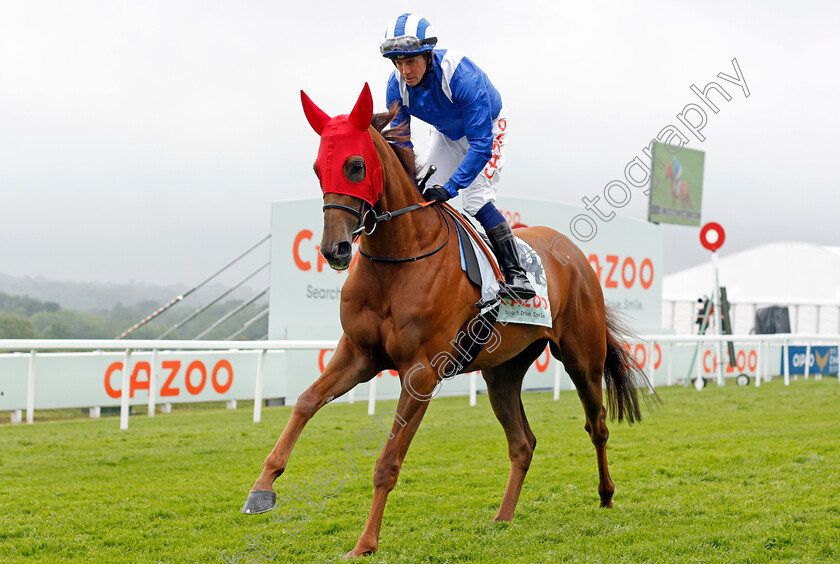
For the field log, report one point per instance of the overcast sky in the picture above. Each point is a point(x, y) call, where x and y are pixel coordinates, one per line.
point(145, 141)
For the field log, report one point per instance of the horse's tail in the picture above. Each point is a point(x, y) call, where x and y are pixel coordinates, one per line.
point(623, 375)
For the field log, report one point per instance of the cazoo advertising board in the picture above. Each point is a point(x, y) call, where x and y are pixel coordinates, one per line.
point(625, 254)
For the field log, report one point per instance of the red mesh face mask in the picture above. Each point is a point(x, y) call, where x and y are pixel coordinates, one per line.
point(341, 137)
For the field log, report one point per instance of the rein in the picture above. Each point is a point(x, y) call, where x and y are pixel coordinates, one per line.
point(384, 217)
point(390, 215)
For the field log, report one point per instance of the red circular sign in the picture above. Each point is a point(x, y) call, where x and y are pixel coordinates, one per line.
point(712, 236)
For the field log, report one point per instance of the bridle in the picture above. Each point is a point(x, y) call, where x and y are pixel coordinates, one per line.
point(362, 215)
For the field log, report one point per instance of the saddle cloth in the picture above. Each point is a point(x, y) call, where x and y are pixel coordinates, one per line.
point(537, 310)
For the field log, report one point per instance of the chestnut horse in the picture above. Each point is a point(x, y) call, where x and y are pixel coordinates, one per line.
point(406, 299)
point(679, 189)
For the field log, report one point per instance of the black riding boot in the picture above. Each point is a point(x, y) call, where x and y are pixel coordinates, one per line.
point(507, 253)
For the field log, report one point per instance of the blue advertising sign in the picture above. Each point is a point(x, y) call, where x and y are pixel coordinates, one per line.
point(823, 360)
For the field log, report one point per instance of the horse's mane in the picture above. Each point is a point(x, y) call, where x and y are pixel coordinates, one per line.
point(398, 139)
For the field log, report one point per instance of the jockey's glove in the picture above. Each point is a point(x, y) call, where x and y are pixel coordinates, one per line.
point(436, 194)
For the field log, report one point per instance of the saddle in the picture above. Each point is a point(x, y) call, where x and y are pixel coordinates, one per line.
point(466, 231)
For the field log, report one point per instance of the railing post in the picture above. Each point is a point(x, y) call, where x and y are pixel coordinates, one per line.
point(786, 360)
point(758, 363)
point(766, 353)
point(808, 360)
point(372, 397)
point(651, 347)
point(556, 379)
point(124, 392)
point(258, 387)
point(153, 383)
point(30, 390)
point(670, 379)
point(698, 362)
point(473, 388)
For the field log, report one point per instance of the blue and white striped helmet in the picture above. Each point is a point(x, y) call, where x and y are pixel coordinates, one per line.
point(407, 36)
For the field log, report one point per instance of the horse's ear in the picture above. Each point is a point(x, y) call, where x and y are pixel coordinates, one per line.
point(363, 110)
point(315, 115)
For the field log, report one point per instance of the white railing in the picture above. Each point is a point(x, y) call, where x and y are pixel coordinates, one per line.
point(785, 340)
point(34, 346)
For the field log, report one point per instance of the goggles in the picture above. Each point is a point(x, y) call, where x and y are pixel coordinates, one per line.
point(405, 43)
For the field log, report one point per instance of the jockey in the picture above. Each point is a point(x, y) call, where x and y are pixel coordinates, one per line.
point(675, 181)
point(469, 130)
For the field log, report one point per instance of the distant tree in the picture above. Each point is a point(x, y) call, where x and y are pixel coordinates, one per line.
point(35, 318)
point(42, 320)
point(24, 306)
point(13, 326)
point(90, 327)
point(58, 329)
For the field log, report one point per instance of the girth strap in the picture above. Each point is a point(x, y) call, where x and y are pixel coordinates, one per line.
point(470, 341)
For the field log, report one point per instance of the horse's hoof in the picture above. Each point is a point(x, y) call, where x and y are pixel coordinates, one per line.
point(357, 553)
point(259, 501)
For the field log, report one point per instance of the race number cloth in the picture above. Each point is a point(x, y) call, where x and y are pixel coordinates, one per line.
point(537, 310)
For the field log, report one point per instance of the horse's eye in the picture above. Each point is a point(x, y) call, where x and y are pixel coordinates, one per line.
point(354, 168)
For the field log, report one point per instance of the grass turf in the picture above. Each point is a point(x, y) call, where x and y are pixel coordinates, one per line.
point(724, 475)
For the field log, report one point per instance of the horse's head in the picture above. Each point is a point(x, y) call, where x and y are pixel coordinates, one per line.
point(349, 171)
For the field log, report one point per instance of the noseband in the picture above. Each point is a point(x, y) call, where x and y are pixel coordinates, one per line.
point(359, 214)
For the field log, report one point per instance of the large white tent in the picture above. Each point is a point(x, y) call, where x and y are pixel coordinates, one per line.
point(803, 276)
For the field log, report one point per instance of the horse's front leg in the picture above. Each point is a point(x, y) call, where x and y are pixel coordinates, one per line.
point(347, 367)
point(418, 386)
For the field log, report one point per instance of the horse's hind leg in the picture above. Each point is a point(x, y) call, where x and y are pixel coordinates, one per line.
point(686, 197)
point(504, 386)
point(346, 368)
point(585, 366)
